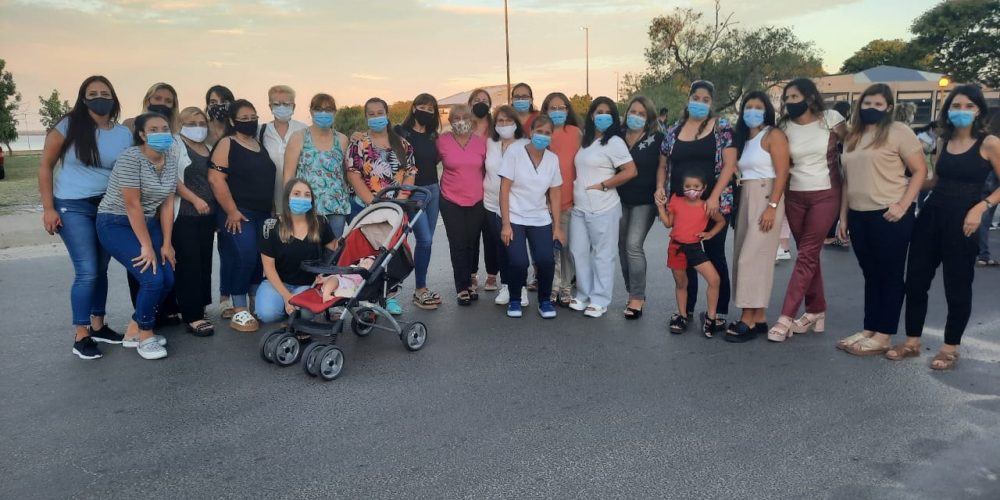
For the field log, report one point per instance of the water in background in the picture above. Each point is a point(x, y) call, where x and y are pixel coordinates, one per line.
point(25, 142)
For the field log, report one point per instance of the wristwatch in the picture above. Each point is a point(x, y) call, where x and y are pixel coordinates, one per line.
point(772, 204)
point(604, 187)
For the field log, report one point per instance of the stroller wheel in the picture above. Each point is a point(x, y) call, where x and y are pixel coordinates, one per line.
point(329, 363)
point(286, 349)
point(309, 357)
point(264, 339)
point(414, 336)
point(364, 321)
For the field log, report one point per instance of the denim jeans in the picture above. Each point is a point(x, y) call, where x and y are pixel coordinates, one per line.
point(336, 223)
point(89, 293)
point(539, 240)
point(270, 305)
point(423, 233)
point(632, 230)
point(240, 268)
point(118, 238)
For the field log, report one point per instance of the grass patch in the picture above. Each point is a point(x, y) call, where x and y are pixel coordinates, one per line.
point(19, 190)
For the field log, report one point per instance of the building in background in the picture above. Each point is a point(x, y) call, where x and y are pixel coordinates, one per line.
point(498, 94)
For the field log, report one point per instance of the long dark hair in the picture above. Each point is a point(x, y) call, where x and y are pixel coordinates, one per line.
point(695, 86)
point(570, 113)
point(81, 133)
point(589, 130)
point(140, 125)
point(286, 228)
point(811, 96)
point(394, 140)
point(234, 109)
point(979, 126)
point(224, 93)
point(741, 133)
point(531, 109)
point(651, 116)
point(411, 120)
point(857, 129)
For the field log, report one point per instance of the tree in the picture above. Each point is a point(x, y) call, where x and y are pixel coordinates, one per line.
point(887, 52)
point(964, 38)
point(580, 104)
point(684, 48)
point(351, 119)
point(52, 109)
point(10, 100)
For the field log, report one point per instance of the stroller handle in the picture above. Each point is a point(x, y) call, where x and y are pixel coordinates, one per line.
point(410, 203)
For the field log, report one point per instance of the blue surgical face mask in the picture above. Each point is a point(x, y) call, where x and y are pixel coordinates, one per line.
point(635, 122)
point(558, 117)
point(961, 118)
point(159, 141)
point(602, 121)
point(323, 119)
point(540, 141)
point(753, 118)
point(299, 206)
point(522, 105)
point(282, 112)
point(697, 109)
point(378, 123)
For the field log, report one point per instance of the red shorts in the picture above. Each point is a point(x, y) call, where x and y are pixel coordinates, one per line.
point(685, 255)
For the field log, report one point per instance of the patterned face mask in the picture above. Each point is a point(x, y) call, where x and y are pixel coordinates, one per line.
point(219, 112)
point(461, 127)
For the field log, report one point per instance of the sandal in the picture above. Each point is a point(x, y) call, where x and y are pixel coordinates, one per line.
point(810, 321)
point(631, 313)
point(200, 328)
point(947, 360)
point(903, 351)
point(464, 299)
point(565, 298)
point(473, 294)
point(243, 321)
point(226, 308)
point(425, 300)
point(867, 347)
point(985, 263)
point(845, 342)
point(781, 331)
point(491, 283)
point(533, 286)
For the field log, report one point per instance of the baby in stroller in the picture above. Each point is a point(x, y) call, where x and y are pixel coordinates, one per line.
point(343, 285)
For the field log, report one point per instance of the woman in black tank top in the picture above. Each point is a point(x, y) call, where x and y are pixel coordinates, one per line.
point(945, 230)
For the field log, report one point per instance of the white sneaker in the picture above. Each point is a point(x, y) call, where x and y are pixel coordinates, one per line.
point(133, 342)
point(593, 311)
point(151, 349)
point(524, 297)
point(783, 254)
point(503, 296)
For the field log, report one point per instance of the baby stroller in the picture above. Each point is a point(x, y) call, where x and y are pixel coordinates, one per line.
point(379, 232)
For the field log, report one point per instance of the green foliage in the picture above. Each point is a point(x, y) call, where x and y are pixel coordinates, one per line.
point(964, 38)
point(580, 104)
point(684, 47)
point(351, 119)
point(887, 52)
point(52, 109)
point(10, 100)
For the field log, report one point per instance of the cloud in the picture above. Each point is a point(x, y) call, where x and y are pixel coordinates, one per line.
point(365, 76)
point(227, 31)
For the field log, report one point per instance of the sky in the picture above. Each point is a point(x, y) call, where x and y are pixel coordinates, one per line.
point(394, 49)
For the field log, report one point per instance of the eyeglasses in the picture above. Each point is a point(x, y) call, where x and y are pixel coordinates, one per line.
point(282, 104)
point(329, 110)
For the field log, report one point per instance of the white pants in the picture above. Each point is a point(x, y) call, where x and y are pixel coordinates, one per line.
point(594, 246)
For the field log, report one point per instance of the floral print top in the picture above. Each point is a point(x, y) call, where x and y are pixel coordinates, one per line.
point(723, 139)
point(324, 171)
point(379, 168)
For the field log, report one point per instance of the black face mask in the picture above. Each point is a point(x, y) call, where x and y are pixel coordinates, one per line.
point(424, 118)
point(160, 108)
point(480, 109)
point(871, 115)
point(796, 109)
point(218, 112)
point(101, 106)
point(246, 128)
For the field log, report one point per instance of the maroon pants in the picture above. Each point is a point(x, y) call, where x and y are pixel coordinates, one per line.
point(810, 215)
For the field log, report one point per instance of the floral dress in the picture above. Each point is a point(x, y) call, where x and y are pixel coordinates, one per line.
point(723, 139)
point(379, 168)
point(324, 171)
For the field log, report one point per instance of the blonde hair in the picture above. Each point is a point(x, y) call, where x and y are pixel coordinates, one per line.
point(280, 89)
point(188, 112)
point(458, 109)
point(172, 119)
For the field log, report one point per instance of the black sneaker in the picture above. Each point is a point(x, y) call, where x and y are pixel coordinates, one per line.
point(86, 348)
point(742, 332)
point(106, 335)
point(678, 323)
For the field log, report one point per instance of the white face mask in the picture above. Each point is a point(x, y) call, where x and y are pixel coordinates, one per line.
point(506, 132)
point(196, 134)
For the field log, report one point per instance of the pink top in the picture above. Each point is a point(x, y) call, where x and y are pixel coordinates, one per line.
point(462, 176)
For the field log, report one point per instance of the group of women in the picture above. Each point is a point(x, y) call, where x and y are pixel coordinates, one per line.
point(533, 188)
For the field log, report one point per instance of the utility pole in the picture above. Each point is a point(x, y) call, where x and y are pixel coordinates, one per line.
point(618, 93)
point(506, 35)
point(586, 30)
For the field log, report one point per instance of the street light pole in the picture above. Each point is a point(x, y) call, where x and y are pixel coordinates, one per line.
point(506, 35)
point(586, 30)
point(618, 92)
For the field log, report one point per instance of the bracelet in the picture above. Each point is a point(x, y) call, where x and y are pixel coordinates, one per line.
point(989, 206)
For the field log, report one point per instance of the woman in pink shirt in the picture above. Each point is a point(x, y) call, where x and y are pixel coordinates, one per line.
point(463, 155)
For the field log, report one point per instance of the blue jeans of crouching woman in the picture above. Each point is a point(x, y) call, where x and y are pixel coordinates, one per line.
point(118, 238)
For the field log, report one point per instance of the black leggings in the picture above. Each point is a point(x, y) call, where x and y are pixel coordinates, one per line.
point(193, 237)
point(715, 248)
point(938, 240)
point(463, 226)
point(491, 255)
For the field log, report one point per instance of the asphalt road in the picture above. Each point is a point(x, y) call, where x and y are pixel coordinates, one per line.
point(498, 408)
